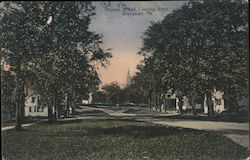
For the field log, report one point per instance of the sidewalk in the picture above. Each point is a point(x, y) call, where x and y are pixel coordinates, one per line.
point(238, 132)
point(34, 123)
point(23, 125)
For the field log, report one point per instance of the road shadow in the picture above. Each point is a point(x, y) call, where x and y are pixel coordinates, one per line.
point(186, 117)
point(232, 131)
point(96, 113)
point(65, 121)
point(143, 131)
point(201, 118)
point(91, 119)
point(131, 131)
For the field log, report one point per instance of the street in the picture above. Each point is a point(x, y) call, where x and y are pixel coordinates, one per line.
point(238, 132)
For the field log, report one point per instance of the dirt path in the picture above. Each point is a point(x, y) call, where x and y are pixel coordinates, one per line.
point(24, 125)
point(238, 132)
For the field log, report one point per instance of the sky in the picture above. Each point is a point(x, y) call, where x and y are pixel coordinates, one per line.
point(122, 24)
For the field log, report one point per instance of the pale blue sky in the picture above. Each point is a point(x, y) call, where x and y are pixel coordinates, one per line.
point(123, 33)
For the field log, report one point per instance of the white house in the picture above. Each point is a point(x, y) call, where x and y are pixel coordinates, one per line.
point(172, 101)
point(34, 108)
point(89, 100)
point(218, 102)
point(217, 97)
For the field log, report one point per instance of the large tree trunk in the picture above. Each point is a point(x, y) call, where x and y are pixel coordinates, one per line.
point(158, 101)
point(165, 104)
point(193, 102)
point(23, 103)
point(68, 101)
point(149, 103)
point(50, 115)
point(210, 104)
point(180, 104)
point(18, 114)
point(56, 105)
point(150, 99)
point(20, 98)
point(67, 109)
point(154, 102)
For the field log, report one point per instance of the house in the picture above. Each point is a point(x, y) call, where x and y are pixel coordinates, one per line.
point(34, 107)
point(89, 100)
point(218, 102)
point(186, 104)
point(171, 102)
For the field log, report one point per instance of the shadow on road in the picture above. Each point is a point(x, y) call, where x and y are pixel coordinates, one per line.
point(232, 131)
point(66, 121)
point(142, 131)
point(96, 113)
point(205, 118)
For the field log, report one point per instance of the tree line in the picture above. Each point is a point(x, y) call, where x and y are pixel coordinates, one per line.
point(115, 94)
point(195, 49)
point(50, 50)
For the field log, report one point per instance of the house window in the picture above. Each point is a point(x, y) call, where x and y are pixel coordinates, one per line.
point(218, 101)
point(29, 109)
point(38, 100)
point(39, 109)
point(35, 109)
point(33, 99)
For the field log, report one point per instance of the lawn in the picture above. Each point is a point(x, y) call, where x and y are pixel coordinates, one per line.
point(109, 139)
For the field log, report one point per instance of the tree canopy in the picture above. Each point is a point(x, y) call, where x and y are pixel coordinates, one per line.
point(50, 49)
point(198, 47)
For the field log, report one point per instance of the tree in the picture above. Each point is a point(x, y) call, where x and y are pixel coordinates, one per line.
point(51, 40)
point(8, 95)
point(190, 50)
point(134, 92)
point(19, 43)
point(100, 96)
point(113, 91)
point(77, 48)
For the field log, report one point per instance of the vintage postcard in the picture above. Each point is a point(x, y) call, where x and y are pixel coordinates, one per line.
point(124, 80)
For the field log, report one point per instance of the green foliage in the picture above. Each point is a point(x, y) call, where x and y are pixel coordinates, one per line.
point(198, 47)
point(113, 92)
point(8, 95)
point(50, 48)
point(135, 92)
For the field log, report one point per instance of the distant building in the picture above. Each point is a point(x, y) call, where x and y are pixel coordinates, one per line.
point(128, 78)
point(89, 100)
point(218, 102)
point(171, 101)
point(34, 107)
